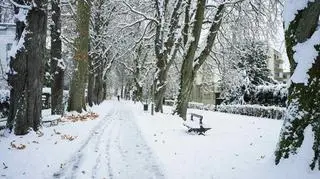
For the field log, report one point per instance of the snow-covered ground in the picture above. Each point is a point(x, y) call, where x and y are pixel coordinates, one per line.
point(126, 142)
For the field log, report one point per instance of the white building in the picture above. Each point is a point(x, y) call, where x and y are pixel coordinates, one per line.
point(7, 36)
point(206, 88)
point(275, 65)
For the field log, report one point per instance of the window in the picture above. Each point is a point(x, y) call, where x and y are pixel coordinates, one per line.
point(8, 48)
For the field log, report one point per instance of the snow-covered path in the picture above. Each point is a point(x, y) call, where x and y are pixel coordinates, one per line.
point(114, 149)
point(116, 146)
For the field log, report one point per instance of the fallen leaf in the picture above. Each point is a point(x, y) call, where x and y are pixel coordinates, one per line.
point(19, 146)
point(68, 137)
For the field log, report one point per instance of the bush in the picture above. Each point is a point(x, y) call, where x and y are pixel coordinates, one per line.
point(270, 95)
point(272, 112)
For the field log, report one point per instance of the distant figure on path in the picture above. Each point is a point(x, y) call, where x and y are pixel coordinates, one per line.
point(118, 97)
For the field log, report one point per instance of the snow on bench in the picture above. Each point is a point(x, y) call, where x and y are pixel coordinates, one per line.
point(192, 126)
point(52, 119)
point(3, 120)
point(3, 123)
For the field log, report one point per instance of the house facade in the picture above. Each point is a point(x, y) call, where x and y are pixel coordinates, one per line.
point(7, 36)
point(201, 93)
point(275, 65)
point(205, 91)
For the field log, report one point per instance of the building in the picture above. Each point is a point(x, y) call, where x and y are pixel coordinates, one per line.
point(7, 36)
point(201, 93)
point(205, 91)
point(275, 64)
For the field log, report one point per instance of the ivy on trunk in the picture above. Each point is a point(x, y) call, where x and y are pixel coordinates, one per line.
point(303, 102)
point(28, 65)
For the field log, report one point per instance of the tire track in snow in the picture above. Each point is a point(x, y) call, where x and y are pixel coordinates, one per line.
point(72, 166)
point(115, 148)
point(102, 152)
point(131, 156)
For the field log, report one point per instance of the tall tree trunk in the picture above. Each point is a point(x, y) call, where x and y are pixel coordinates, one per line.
point(187, 72)
point(98, 86)
point(191, 65)
point(165, 50)
point(303, 102)
point(137, 70)
point(29, 65)
point(57, 64)
point(104, 92)
point(78, 83)
point(91, 83)
point(138, 91)
point(160, 90)
point(16, 80)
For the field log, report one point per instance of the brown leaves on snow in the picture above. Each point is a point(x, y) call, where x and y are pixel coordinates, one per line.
point(80, 117)
point(65, 136)
point(68, 137)
point(17, 146)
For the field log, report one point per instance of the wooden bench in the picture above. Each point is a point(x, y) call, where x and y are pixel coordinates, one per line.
point(1, 125)
point(201, 130)
point(53, 120)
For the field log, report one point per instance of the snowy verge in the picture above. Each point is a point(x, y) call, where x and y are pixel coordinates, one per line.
point(42, 153)
point(239, 147)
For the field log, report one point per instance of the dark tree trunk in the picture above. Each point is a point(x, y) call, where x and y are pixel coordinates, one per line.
point(190, 65)
point(57, 64)
point(138, 92)
point(164, 60)
point(104, 93)
point(29, 65)
point(160, 90)
point(303, 102)
point(90, 82)
point(187, 72)
point(98, 86)
point(17, 64)
point(90, 89)
point(77, 92)
point(78, 83)
point(95, 82)
point(138, 65)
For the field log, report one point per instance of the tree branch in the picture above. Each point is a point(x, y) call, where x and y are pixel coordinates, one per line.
point(140, 13)
point(20, 5)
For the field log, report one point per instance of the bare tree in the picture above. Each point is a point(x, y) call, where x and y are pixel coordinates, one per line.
point(101, 59)
point(166, 45)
